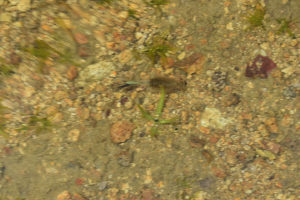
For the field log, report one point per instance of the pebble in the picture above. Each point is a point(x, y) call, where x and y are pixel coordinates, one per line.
point(56, 118)
point(285, 1)
point(65, 195)
point(28, 91)
point(232, 100)
point(138, 35)
point(121, 131)
point(73, 135)
point(72, 73)
point(125, 56)
point(102, 185)
point(96, 72)
point(288, 71)
point(123, 14)
point(24, 5)
point(184, 116)
point(200, 195)
point(124, 159)
point(80, 38)
point(218, 172)
point(129, 105)
point(212, 117)
point(100, 36)
point(229, 26)
point(181, 56)
point(5, 17)
point(51, 110)
point(272, 125)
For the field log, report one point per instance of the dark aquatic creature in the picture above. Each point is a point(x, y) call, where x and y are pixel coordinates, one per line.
point(260, 67)
point(170, 84)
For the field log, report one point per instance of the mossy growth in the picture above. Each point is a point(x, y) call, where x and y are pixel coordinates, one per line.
point(158, 114)
point(256, 18)
point(285, 27)
point(156, 4)
point(157, 48)
point(132, 14)
point(37, 123)
point(2, 121)
point(5, 69)
point(43, 51)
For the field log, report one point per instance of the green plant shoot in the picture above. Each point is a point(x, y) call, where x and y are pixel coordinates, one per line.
point(158, 113)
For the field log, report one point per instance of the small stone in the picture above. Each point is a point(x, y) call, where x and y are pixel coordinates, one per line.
point(125, 158)
point(200, 195)
point(294, 43)
point(218, 172)
point(218, 82)
point(128, 105)
point(184, 116)
point(231, 157)
point(207, 155)
point(57, 117)
point(102, 185)
point(272, 125)
point(197, 142)
point(123, 14)
point(288, 71)
point(110, 45)
point(181, 56)
point(121, 131)
point(81, 38)
point(207, 182)
point(51, 110)
point(147, 194)
point(15, 59)
point(77, 196)
point(285, 2)
point(271, 37)
point(273, 147)
point(138, 35)
point(28, 91)
point(96, 72)
point(125, 56)
point(73, 135)
point(100, 36)
point(232, 100)
point(229, 26)
point(5, 17)
point(83, 113)
point(59, 95)
point(72, 73)
point(65, 195)
point(212, 117)
point(24, 5)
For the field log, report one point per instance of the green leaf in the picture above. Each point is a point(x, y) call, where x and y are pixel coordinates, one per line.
point(133, 83)
point(145, 113)
point(161, 102)
point(168, 121)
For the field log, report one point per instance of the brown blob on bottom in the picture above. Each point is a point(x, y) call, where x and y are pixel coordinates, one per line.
point(260, 67)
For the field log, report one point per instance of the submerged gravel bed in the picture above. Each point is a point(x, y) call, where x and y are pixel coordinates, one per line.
point(149, 99)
